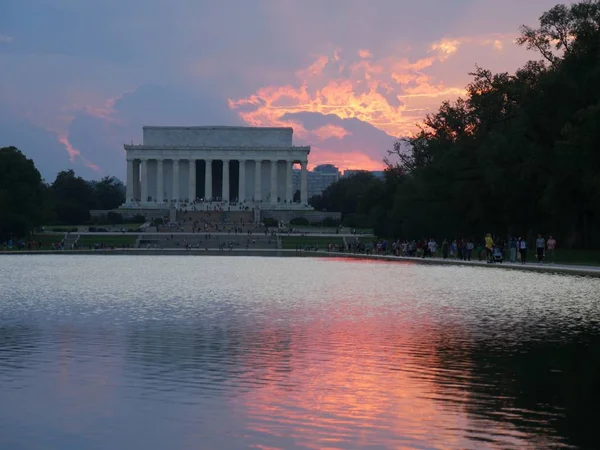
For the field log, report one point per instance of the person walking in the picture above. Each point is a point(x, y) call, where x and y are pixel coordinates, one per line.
point(523, 250)
point(512, 246)
point(445, 249)
point(489, 246)
point(540, 248)
point(469, 250)
point(551, 246)
point(432, 246)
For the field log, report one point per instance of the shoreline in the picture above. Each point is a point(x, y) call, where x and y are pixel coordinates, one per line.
point(580, 270)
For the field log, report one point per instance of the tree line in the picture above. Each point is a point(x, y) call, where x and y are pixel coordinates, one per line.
point(28, 202)
point(518, 155)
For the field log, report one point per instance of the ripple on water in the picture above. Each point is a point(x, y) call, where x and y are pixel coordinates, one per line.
point(242, 352)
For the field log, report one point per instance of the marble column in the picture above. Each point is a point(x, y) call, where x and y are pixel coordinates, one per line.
point(242, 182)
point(273, 181)
point(136, 180)
point(225, 190)
point(129, 186)
point(192, 181)
point(303, 183)
point(289, 194)
point(208, 181)
point(144, 196)
point(257, 180)
point(175, 194)
point(159, 181)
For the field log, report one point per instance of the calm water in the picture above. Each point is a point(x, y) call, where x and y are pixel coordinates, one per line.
point(115, 352)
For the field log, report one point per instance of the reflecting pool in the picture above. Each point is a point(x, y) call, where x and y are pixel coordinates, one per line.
point(183, 352)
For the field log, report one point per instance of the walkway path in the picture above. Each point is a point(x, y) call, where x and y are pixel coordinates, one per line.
point(584, 270)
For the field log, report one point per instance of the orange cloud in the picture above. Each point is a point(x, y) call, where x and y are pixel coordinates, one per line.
point(449, 46)
point(446, 48)
point(498, 44)
point(382, 92)
point(391, 93)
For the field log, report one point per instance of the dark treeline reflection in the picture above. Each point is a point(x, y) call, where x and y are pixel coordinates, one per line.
point(543, 378)
point(17, 343)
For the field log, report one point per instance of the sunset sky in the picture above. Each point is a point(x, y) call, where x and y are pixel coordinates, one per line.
point(79, 78)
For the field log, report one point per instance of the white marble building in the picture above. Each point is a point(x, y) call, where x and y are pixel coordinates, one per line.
point(178, 165)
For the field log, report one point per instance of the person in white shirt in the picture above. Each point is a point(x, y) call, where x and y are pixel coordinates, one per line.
point(432, 247)
point(523, 250)
point(540, 248)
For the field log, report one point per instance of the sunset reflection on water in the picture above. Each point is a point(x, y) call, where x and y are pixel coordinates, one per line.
point(355, 384)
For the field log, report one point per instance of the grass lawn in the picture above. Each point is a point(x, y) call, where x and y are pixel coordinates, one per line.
point(117, 241)
point(66, 228)
point(292, 242)
point(362, 230)
point(47, 238)
point(568, 256)
point(84, 241)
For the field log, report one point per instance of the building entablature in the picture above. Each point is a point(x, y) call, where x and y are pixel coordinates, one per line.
point(296, 153)
point(215, 148)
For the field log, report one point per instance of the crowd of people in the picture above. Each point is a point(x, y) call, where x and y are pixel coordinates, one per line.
point(217, 204)
point(489, 249)
point(21, 244)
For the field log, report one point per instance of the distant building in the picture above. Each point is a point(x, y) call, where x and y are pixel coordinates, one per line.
point(319, 179)
point(376, 173)
point(327, 169)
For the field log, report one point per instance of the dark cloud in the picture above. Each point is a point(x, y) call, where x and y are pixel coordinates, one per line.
point(363, 137)
point(161, 105)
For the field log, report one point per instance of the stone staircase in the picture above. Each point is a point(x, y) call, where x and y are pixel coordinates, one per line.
point(70, 241)
point(254, 241)
point(216, 221)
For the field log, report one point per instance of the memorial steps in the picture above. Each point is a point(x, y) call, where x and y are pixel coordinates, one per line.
point(70, 240)
point(219, 217)
point(213, 242)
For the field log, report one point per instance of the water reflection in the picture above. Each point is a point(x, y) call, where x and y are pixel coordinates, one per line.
point(317, 354)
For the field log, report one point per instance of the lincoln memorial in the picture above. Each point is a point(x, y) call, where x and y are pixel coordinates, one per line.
point(177, 166)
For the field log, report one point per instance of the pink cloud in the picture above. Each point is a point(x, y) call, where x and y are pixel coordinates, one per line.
point(330, 131)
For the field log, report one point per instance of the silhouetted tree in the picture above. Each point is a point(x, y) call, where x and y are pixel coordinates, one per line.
point(73, 198)
point(22, 194)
